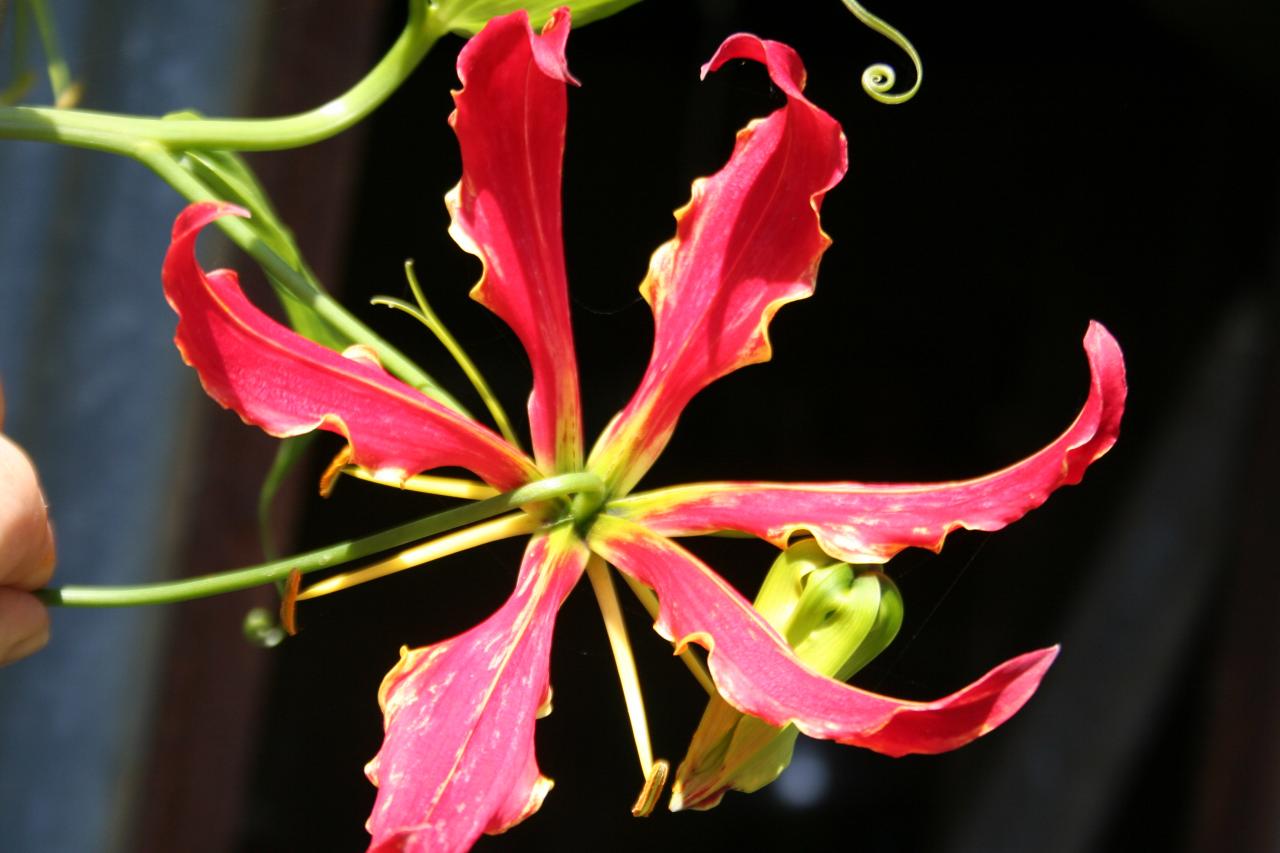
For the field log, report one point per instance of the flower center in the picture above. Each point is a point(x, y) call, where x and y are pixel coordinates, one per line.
point(584, 508)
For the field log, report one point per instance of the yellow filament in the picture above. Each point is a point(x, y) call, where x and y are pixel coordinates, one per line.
point(607, 597)
point(691, 662)
point(424, 552)
point(449, 487)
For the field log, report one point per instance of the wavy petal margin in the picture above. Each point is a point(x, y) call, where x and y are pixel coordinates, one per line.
point(758, 674)
point(747, 243)
point(288, 385)
point(510, 122)
point(869, 523)
point(458, 758)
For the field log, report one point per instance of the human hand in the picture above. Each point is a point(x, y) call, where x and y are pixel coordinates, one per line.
point(26, 553)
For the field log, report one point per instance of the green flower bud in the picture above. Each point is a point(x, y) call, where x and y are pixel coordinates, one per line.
point(262, 629)
point(468, 17)
point(837, 619)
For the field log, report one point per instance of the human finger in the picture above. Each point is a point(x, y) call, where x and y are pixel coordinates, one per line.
point(26, 538)
point(24, 625)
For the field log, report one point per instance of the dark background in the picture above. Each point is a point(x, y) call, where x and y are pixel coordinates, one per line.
point(1059, 165)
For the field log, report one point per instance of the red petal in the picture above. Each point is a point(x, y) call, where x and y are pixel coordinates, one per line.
point(758, 674)
point(458, 757)
point(869, 523)
point(510, 120)
point(746, 244)
point(289, 385)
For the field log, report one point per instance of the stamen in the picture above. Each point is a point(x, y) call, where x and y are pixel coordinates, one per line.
point(289, 602)
point(424, 552)
point(691, 661)
point(449, 487)
point(653, 785)
point(329, 478)
point(607, 598)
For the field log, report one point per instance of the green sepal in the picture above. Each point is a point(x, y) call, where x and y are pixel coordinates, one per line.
point(468, 17)
point(730, 750)
point(780, 593)
point(884, 627)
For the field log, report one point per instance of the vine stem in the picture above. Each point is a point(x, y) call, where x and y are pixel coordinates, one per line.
point(165, 592)
point(159, 143)
point(119, 133)
point(878, 80)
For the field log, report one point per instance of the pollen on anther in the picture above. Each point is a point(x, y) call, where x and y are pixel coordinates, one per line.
point(330, 476)
point(289, 603)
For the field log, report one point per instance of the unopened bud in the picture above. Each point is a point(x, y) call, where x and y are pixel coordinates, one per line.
point(837, 619)
point(262, 629)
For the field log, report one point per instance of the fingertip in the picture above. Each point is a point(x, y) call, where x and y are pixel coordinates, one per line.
point(27, 551)
point(48, 558)
point(24, 625)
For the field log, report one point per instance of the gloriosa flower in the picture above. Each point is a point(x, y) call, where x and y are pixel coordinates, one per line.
point(458, 756)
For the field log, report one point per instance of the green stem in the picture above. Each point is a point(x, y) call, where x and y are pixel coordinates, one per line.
point(878, 80)
point(162, 162)
point(120, 133)
point(59, 74)
point(23, 79)
point(166, 592)
point(158, 142)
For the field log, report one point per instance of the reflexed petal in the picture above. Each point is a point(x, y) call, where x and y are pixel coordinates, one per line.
point(458, 757)
point(510, 119)
point(869, 523)
point(288, 385)
point(758, 674)
point(747, 243)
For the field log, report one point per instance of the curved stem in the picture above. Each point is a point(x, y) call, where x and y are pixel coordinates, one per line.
point(878, 79)
point(156, 142)
point(119, 133)
point(166, 592)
